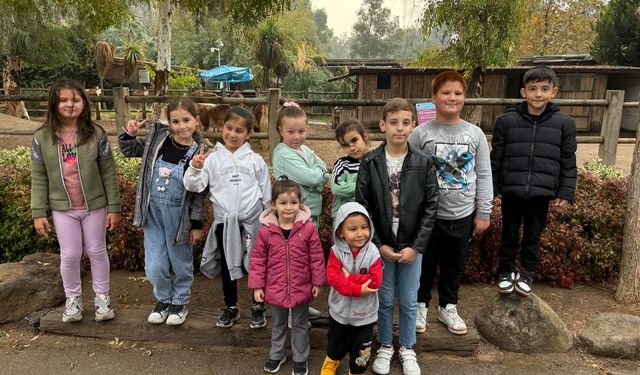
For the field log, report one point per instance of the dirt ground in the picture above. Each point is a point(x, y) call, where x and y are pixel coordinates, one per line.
point(23, 352)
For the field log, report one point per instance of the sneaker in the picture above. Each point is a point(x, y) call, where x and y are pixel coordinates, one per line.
point(300, 368)
point(258, 319)
point(313, 313)
point(506, 282)
point(329, 366)
point(159, 313)
point(523, 283)
point(273, 365)
point(382, 364)
point(229, 315)
point(409, 362)
point(72, 310)
point(421, 317)
point(177, 315)
point(449, 316)
point(103, 307)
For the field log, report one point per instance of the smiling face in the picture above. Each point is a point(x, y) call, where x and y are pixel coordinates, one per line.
point(355, 230)
point(354, 145)
point(397, 127)
point(293, 131)
point(183, 124)
point(70, 106)
point(538, 94)
point(287, 206)
point(234, 133)
point(449, 101)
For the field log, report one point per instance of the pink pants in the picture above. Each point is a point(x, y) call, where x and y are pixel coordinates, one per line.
point(74, 227)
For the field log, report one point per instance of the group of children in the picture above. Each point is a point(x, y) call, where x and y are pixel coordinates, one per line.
point(400, 212)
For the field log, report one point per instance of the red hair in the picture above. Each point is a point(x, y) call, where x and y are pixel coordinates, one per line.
point(447, 76)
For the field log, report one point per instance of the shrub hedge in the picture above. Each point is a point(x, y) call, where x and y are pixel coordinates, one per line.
point(582, 242)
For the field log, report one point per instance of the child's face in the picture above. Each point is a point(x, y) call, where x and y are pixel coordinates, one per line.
point(356, 231)
point(287, 206)
point(70, 105)
point(234, 134)
point(294, 131)
point(183, 125)
point(397, 127)
point(449, 100)
point(354, 145)
point(538, 94)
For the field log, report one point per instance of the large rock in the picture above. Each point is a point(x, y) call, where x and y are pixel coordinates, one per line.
point(612, 335)
point(30, 285)
point(525, 325)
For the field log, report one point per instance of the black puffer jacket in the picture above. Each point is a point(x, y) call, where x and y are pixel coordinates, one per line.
point(534, 157)
point(418, 198)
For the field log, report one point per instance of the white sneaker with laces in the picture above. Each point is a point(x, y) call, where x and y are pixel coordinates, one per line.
point(382, 364)
point(72, 310)
point(449, 316)
point(177, 315)
point(103, 307)
point(409, 362)
point(421, 317)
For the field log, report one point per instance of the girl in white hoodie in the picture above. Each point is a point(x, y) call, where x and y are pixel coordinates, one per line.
point(240, 187)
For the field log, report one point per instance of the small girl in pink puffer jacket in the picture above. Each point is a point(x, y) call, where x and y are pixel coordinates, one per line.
point(287, 271)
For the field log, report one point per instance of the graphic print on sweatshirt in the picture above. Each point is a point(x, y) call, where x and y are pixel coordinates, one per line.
point(453, 161)
point(69, 153)
point(233, 174)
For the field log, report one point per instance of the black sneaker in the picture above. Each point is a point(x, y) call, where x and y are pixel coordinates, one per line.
point(258, 319)
point(523, 283)
point(506, 282)
point(229, 315)
point(300, 368)
point(159, 314)
point(273, 365)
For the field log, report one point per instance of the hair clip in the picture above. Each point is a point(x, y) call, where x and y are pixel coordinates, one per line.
point(290, 103)
point(282, 178)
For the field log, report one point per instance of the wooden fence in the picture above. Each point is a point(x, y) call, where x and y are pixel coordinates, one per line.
point(608, 139)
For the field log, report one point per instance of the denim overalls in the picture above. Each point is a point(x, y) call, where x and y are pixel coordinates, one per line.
point(162, 256)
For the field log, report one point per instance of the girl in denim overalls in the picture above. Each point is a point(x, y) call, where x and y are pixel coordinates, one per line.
point(171, 217)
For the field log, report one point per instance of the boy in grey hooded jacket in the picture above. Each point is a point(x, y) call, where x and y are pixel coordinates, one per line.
point(354, 272)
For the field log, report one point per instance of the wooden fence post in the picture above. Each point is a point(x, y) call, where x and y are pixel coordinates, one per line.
point(121, 107)
point(628, 290)
point(611, 127)
point(274, 106)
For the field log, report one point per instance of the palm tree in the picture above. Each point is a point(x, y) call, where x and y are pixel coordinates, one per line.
point(104, 59)
point(270, 51)
point(132, 52)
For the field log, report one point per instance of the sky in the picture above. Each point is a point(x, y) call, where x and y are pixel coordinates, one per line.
point(342, 13)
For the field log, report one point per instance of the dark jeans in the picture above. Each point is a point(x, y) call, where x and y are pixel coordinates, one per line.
point(355, 340)
point(449, 248)
point(229, 287)
point(532, 215)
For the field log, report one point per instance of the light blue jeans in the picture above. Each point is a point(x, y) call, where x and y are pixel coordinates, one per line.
point(399, 281)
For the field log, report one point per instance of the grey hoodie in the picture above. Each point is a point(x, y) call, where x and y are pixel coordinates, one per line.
point(355, 311)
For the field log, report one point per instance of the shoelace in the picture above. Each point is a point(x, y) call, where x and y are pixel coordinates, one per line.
point(453, 315)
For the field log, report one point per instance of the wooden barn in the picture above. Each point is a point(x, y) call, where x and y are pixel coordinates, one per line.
point(574, 82)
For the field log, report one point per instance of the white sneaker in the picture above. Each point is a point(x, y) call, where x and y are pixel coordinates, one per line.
point(72, 310)
point(159, 313)
point(177, 315)
point(449, 316)
point(382, 364)
point(103, 307)
point(313, 313)
point(421, 317)
point(409, 362)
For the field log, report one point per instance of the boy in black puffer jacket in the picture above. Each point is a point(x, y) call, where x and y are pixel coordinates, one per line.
point(533, 161)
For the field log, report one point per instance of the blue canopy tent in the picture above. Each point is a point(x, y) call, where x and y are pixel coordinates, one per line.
point(225, 73)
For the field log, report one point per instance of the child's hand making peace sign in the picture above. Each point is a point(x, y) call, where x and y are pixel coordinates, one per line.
point(198, 159)
point(134, 125)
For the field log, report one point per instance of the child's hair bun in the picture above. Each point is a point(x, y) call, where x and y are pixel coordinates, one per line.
point(290, 103)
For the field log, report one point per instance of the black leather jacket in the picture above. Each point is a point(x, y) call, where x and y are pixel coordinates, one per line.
point(418, 198)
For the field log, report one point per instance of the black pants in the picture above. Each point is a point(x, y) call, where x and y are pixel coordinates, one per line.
point(229, 287)
point(532, 215)
point(355, 340)
point(449, 248)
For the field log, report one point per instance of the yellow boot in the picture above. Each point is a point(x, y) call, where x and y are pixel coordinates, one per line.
point(329, 366)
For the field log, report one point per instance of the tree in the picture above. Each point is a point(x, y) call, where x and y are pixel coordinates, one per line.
point(556, 27)
point(104, 59)
point(270, 51)
point(618, 34)
point(372, 31)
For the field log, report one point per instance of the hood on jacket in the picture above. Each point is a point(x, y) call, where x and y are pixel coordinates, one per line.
point(522, 108)
point(244, 149)
point(343, 212)
point(268, 216)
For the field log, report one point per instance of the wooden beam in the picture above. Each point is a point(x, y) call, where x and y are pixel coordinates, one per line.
point(611, 127)
point(274, 107)
point(121, 107)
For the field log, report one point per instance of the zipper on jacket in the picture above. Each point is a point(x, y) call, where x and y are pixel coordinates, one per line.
point(286, 256)
point(64, 186)
point(86, 204)
point(533, 141)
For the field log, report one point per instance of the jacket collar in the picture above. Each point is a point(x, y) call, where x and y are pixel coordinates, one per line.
point(268, 217)
point(549, 110)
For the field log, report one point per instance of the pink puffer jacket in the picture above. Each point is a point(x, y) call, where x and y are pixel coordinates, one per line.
point(287, 269)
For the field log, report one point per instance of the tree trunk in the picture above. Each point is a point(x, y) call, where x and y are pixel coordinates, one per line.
point(475, 89)
point(11, 85)
point(628, 290)
point(161, 83)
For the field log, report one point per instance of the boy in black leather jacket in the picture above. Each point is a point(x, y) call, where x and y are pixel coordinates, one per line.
point(397, 185)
